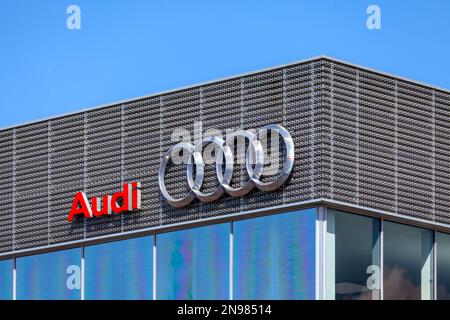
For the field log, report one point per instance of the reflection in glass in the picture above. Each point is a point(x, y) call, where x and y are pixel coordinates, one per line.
point(119, 270)
point(6, 279)
point(443, 266)
point(407, 262)
point(194, 263)
point(357, 256)
point(274, 256)
point(49, 276)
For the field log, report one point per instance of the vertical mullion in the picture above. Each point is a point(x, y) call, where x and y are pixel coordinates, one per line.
point(154, 267)
point(14, 280)
point(426, 271)
point(434, 264)
point(82, 274)
point(320, 253)
point(376, 261)
point(231, 261)
point(318, 256)
point(330, 256)
point(382, 259)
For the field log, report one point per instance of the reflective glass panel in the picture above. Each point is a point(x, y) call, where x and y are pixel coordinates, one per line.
point(443, 266)
point(119, 270)
point(407, 262)
point(274, 256)
point(194, 263)
point(6, 279)
point(49, 276)
point(357, 257)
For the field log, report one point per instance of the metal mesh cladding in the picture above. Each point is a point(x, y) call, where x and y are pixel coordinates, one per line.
point(6, 190)
point(388, 142)
point(360, 137)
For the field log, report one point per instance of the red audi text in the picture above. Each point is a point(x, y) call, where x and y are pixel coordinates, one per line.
point(129, 199)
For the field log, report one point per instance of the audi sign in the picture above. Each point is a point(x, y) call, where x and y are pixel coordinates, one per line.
point(224, 161)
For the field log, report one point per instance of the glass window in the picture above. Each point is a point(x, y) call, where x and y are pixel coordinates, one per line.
point(407, 262)
point(194, 263)
point(274, 256)
point(119, 270)
point(443, 266)
point(6, 279)
point(49, 276)
point(356, 273)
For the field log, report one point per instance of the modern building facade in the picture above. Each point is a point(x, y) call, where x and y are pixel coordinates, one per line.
point(365, 213)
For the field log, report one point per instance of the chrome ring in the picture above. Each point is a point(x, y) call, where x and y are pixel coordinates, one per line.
point(189, 196)
point(254, 164)
point(223, 178)
point(248, 185)
point(289, 162)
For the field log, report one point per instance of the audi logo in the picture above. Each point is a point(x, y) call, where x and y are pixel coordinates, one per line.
point(254, 164)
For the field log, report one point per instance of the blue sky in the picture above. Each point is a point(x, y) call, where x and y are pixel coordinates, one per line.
point(128, 48)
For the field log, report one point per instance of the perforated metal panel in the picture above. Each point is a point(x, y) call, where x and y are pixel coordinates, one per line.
point(388, 142)
point(6, 190)
point(361, 137)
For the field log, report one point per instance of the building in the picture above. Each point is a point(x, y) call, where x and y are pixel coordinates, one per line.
point(365, 213)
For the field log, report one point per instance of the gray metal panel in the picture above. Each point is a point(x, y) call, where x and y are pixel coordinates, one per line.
point(344, 115)
point(31, 186)
point(442, 156)
point(377, 141)
point(178, 110)
point(6, 190)
point(388, 146)
point(67, 173)
point(361, 137)
point(141, 154)
point(103, 163)
point(262, 105)
point(219, 101)
point(301, 110)
point(415, 131)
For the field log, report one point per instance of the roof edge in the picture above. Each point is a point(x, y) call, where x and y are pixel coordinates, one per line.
point(239, 75)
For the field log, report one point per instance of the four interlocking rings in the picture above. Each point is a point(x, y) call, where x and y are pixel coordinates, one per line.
point(254, 163)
